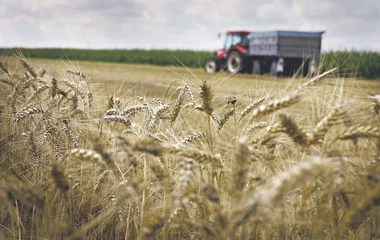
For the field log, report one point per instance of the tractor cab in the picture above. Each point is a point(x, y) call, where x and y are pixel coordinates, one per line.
point(234, 40)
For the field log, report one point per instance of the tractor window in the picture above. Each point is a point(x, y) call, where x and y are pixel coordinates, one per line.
point(228, 41)
point(236, 39)
point(233, 39)
point(245, 41)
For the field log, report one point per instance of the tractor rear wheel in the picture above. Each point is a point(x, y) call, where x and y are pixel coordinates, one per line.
point(211, 66)
point(235, 62)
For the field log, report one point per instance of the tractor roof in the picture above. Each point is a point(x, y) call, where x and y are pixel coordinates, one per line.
point(238, 32)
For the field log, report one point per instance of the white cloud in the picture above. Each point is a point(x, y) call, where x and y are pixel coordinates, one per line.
point(274, 9)
point(182, 23)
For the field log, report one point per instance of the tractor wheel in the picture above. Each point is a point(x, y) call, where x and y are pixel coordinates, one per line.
point(235, 62)
point(211, 66)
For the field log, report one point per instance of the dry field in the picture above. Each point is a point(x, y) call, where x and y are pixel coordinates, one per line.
point(115, 151)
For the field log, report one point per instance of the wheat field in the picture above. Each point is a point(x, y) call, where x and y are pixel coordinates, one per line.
point(116, 151)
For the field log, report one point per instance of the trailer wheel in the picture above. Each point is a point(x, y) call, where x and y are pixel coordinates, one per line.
point(211, 66)
point(235, 62)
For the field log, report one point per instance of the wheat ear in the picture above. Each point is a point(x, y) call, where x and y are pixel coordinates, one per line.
point(86, 154)
point(185, 173)
point(225, 118)
point(187, 90)
point(239, 169)
point(254, 126)
point(376, 103)
point(28, 67)
point(315, 79)
point(192, 136)
point(274, 105)
point(295, 132)
point(325, 123)
point(25, 193)
point(27, 111)
point(177, 107)
point(368, 201)
point(157, 149)
point(354, 132)
point(54, 87)
point(206, 96)
point(77, 73)
point(4, 68)
point(251, 106)
point(275, 189)
point(196, 154)
point(59, 178)
point(118, 118)
point(157, 113)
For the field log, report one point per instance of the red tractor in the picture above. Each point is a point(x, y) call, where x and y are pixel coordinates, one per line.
point(273, 52)
point(230, 57)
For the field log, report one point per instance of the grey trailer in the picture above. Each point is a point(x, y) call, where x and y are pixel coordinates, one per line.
point(294, 49)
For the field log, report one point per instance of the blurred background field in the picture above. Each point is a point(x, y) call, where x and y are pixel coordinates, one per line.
point(360, 64)
point(142, 79)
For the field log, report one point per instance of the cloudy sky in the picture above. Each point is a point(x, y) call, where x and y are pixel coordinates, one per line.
point(182, 24)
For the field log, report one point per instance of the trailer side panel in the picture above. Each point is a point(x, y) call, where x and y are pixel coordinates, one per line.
point(285, 44)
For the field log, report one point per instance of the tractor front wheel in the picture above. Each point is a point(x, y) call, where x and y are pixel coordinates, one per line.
point(235, 62)
point(211, 66)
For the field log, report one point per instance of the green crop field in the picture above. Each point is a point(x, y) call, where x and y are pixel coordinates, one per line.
point(95, 150)
point(352, 63)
